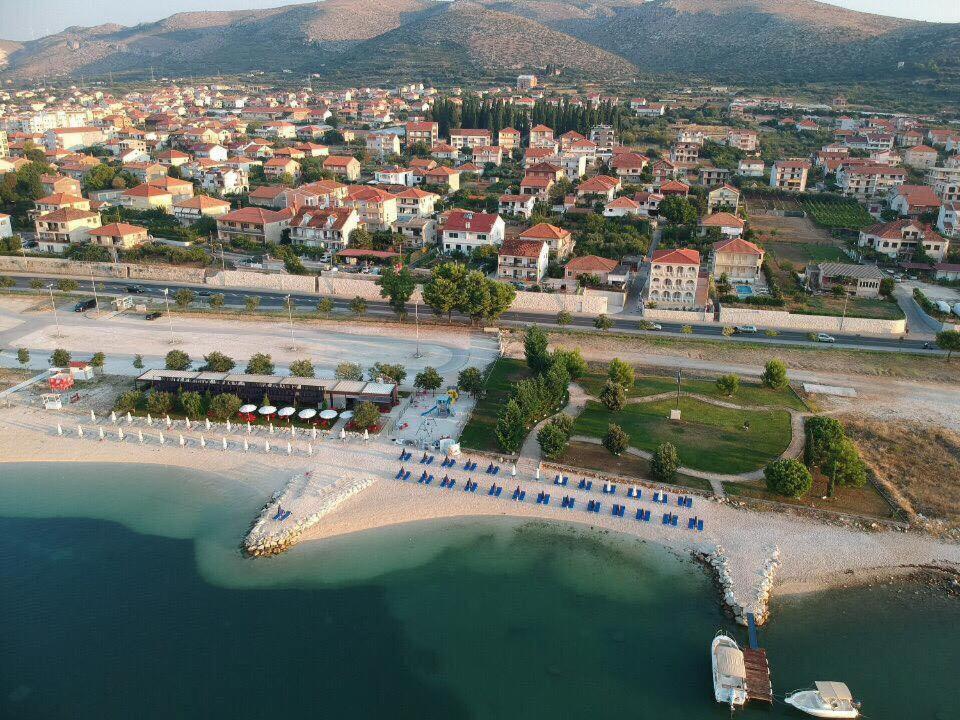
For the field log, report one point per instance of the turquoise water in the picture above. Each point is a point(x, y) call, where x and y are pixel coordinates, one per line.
point(125, 597)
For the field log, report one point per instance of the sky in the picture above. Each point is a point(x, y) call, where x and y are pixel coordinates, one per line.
point(30, 19)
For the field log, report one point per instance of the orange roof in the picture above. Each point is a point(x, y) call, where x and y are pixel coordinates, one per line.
point(518, 247)
point(679, 256)
point(145, 190)
point(737, 245)
point(200, 202)
point(118, 230)
point(722, 219)
point(255, 215)
point(67, 214)
point(591, 264)
point(544, 231)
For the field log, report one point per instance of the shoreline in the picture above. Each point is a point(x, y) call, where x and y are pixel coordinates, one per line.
point(817, 556)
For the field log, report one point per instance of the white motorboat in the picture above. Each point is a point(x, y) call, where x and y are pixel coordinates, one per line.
point(827, 699)
point(729, 671)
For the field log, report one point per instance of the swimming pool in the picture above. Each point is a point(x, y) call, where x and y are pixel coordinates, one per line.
point(744, 291)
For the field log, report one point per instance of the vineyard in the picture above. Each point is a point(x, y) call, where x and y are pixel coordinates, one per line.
point(837, 214)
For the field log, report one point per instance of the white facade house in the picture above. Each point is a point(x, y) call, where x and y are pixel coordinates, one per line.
point(465, 231)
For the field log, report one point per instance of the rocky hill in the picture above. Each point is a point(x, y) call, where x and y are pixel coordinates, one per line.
point(788, 40)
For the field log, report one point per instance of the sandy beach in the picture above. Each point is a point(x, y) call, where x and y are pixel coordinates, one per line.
point(814, 555)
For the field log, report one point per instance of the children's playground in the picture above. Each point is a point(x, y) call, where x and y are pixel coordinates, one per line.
point(434, 420)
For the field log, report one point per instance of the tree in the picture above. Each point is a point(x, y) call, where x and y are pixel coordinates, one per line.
point(260, 364)
point(397, 287)
point(728, 384)
point(325, 306)
point(664, 463)
point(183, 298)
point(845, 466)
point(788, 477)
point(574, 362)
point(394, 373)
point(886, 287)
point(23, 356)
point(442, 293)
point(361, 239)
point(252, 303)
point(824, 436)
point(553, 441)
point(66, 285)
point(7, 282)
point(564, 318)
point(217, 301)
point(366, 416)
point(775, 374)
point(470, 380)
point(177, 360)
point(620, 372)
point(948, 340)
point(224, 406)
point(36, 284)
point(216, 361)
point(678, 210)
point(535, 349)
point(129, 401)
point(358, 306)
point(97, 361)
point(348, 371)
point(603, 322)
point(159, 402)
point(564, 421)
point(616, 440)
point(302, 368)
point(60, 358)
point(428, 379)
point(613, 396)
point(511, 427)
point(192, 404)
point(138, 362)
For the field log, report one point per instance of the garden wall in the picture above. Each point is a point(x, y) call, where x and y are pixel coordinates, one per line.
point(55, 266)
point(683, 316)
point(263, 281)
point(553, 303)
point(173, 273)
point(784, 320)
point(615, 300)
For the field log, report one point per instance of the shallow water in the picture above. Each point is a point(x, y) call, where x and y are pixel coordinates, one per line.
point(125, 596)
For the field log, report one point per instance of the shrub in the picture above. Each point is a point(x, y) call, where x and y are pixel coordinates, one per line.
point(687, 329)
point(177, 360)
point(664, 463)
point(564, 422)
point(788, 477)
point(218, 362)
point(225, 406)
point(775, 374)
point(302, 368)
point(191, 403)
point(138, 361)
point(553, 440)
point(728, 384)
point(159, 402)
point(616, 440)
point(511, 427)
point(470, 380)
point(348, 371)
point(129, 401)
point(428, 379)
point(260, 364)
point(366, 416)
point(23, 356)
point(603, 322)
point(60, 358)
point(613, 396)
point(620, 372)
point(574, 362)
point(564, 318)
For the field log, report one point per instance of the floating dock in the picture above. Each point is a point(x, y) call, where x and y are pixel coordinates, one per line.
point(757, 666)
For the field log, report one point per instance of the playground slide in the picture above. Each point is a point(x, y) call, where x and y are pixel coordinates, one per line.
point(435, 408)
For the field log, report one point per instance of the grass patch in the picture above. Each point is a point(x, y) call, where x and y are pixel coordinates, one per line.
point(479, 431)
point(594, 457)
point(837, 214)
point(748, 394)
point(800, 253)
point(709, 438)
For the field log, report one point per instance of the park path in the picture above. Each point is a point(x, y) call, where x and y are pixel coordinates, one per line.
point(530, 452)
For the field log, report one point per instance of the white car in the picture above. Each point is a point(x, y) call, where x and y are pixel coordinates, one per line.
point(823, 337)
point(746, 329)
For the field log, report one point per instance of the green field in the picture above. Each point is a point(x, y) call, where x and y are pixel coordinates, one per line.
point(836, 214)
point(708, 438)
point(479, 431)
point(800, 253)
point(748, 393)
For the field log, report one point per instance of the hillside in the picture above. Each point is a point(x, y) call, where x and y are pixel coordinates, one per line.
point(738, 40)
point(464, 39)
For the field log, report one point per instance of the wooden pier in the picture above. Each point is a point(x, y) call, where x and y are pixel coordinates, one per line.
point(757, 666)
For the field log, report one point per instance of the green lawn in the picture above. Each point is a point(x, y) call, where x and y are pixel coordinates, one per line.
point(748, 394)
point(479, 431)
point(708, 438)
point(800, 253)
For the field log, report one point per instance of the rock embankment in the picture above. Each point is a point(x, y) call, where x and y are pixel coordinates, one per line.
point(743, 601)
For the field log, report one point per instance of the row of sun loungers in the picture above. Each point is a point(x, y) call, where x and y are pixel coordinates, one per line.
point(609, 489)
point(493, 469)
point(567, 502)
point(426, 459)
point(448, 462)
point(470, 466)
point(557, 480)
point(405, 455)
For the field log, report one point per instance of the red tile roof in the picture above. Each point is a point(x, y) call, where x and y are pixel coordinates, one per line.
point(678, 256)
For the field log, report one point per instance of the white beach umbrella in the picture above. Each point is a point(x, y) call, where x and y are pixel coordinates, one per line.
point(267, 410)
point(307, 413)
point(286, 411)
point(346, 414)
point(248, 408)
point(59, 429)
point(328, 414)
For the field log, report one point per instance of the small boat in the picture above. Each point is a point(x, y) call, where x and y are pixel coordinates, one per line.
point(729, 671)
point(827, 699)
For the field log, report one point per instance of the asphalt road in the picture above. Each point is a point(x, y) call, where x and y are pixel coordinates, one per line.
point(236, 297)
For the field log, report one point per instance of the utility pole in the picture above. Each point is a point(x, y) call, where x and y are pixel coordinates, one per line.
point(56, 318)
point(96, 299)
point(166, 299)
point(416, 321)
point(293, 341)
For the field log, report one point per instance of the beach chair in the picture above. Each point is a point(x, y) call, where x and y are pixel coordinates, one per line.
point(546, 499)
point(596, 508)
point(399, 473)
point(691, 523)
point(589, 486)
point(523, 496)
point(493, 487)
point(496, 469)
point(499, 490)
point(453, 463)
point(666, 519)
point(285, 515)
point(451, 483)
point(572, 503)
point(590, 505)
point(430, 460)
point(565, 480)
point(582, 484)
point(673, 520)
point(689, 502)
point(614, 509)
point(656, 497)
point(699, 525)
point(429, 479)
point(664, 499)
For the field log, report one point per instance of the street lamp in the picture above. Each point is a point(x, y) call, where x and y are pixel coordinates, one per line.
point(96, 300)
point(56, 317)
point(416, 321)
point(166, 299)
point(293, 340)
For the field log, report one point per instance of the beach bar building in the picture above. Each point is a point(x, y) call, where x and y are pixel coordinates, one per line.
point(282, 390)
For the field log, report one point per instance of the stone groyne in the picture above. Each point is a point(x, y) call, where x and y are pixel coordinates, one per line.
point(741, 601)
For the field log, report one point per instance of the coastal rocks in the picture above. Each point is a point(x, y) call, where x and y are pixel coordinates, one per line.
point(743, 602)
point(307, 505)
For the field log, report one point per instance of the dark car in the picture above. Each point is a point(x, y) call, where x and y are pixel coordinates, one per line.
point(154, 315)
point(203, 293)
point(85, 305)
point(135, 289)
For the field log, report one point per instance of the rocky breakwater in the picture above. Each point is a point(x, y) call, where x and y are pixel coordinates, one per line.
point(302, 503)
point(739, 600)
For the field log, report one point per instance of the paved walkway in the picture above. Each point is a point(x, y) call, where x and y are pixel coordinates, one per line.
point(530, 452)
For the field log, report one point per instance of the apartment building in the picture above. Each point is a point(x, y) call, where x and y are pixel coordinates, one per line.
point(789, 175)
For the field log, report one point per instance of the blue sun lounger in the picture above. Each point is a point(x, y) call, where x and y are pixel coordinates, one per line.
point(399, 473)
point(451, 483)
point(285, 515)
point(656, 497)
point(499, 490)
point(423, 476)
point(582, 484)
point(406, 475)
point(279, 513)
point(699, 525)
point(546, 498)
point(691, 523)
point(428, 480)
point(493, 489)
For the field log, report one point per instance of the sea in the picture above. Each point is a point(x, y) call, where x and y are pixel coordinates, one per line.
point(123, 594)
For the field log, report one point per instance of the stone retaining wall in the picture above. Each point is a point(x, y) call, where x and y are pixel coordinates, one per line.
point(783, 320)
point(55, 266)
point(173, 273)
point(264, 281)
point(552, 303)
point(684, 316)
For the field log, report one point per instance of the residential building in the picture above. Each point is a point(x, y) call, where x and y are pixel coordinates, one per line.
point(728, 224)
point(522, 261)
point(590, 265)
point(147, 197)
point(663, 171)
point(526, 82)
point(146, 172)
point(865, 181)
point(751, 167)
point(948, 219)
point(383, 144)
point(684, 153)
point(860, 280)
point(173, 158)
point(58, 201)
point(913, 200)
point(394, 176)
point(277, 167)
point(508, 138)
point(73, 138)
point(119, 236)
point(517, 205)
point(559, 240)
point(603, 187)
point(920, 157)
point(343, 166)
point(225, 181)
point(709, 175)
point(464, 231)
point(900, 239)
point(52, 184)
point(445, 151)
point(674, 279)
point(542, 137)
point(178, 189)
point(745, 140)
point(470, 138)
point(58, 229)
point(4, 145)
point(484, 154)
point(536, 185)
point(418, 232)
point(192, 209)
point(447, 178)
point(789, 175)
point(621, 207)
point(325, 228)
point(415, 202)
point(648, 203)
point(604, 136)
point(376, 208)
point(738, 259)
point(945, 182)
point(256, 224)
point(6, 226)
point(210, 151)
point(629, 167)
point(427, 133)
point(322, 194)
point(723, 197)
